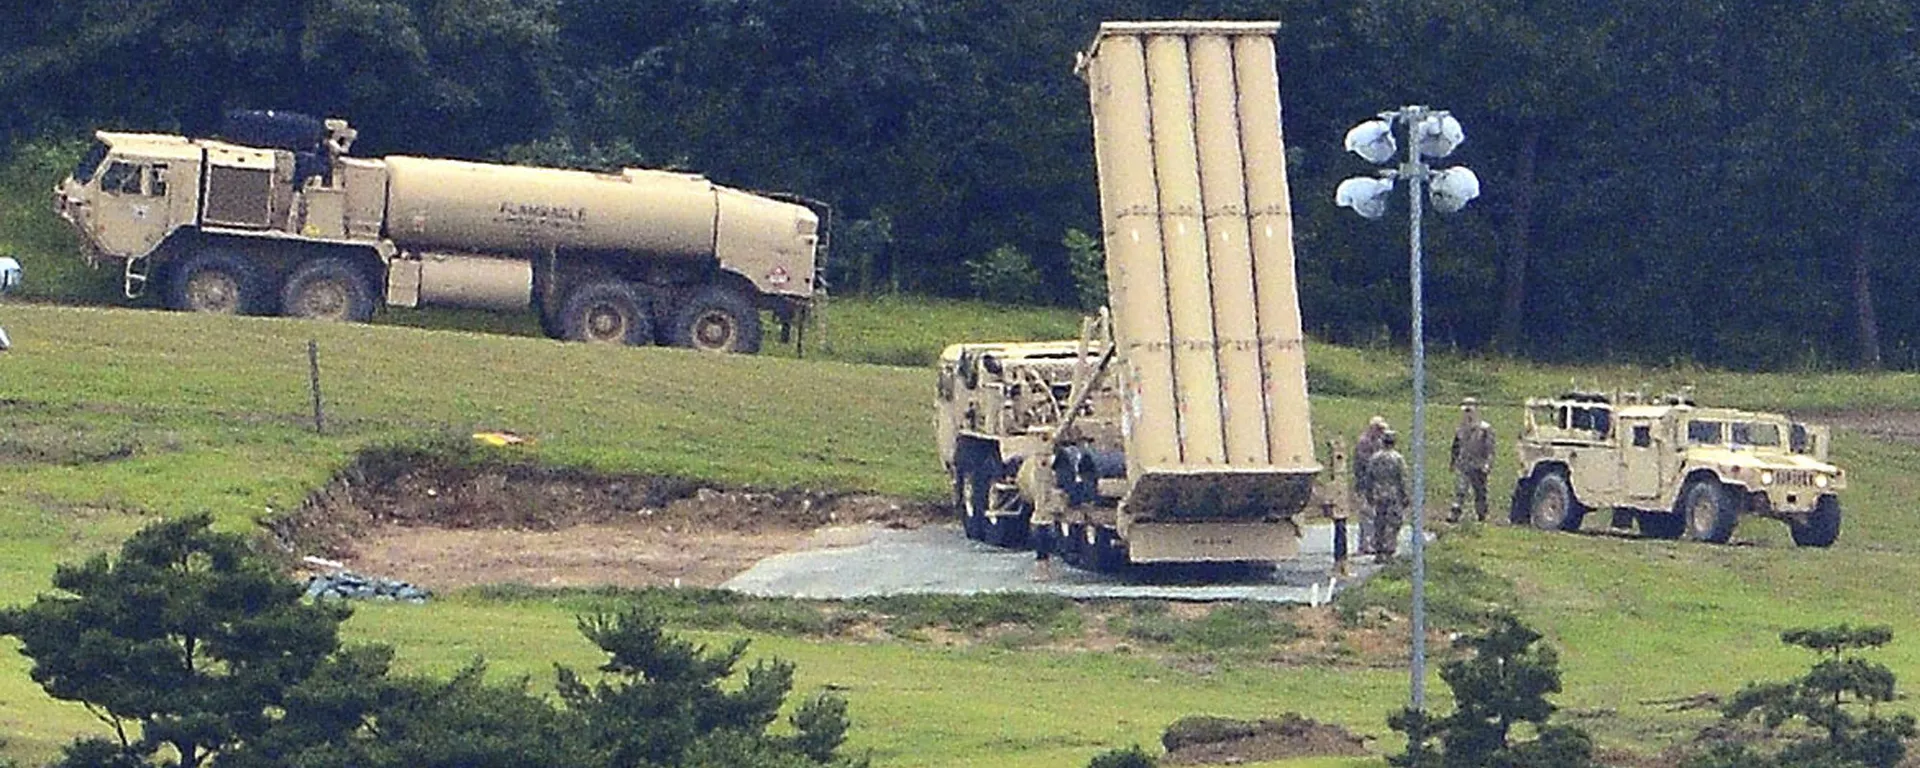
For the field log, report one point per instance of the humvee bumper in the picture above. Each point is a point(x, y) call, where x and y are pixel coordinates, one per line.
point(1779, 501)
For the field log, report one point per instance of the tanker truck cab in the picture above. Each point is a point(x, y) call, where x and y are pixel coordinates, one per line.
point(130, 192)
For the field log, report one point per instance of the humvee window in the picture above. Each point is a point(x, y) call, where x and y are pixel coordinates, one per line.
point(1596, 419)
point(121, 178)
point(1642, 436)
point(1798, 440)
point(1704, 432)
point(1755, 433)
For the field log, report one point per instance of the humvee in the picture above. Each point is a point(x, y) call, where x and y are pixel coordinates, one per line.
point(1673, 468)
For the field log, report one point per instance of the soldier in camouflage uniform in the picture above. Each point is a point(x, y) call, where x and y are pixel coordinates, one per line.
point(1385, 487)
point(1363, 449)
point(1472, 460)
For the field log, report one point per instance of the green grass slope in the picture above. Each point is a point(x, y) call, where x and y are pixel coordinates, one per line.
point(111, 417)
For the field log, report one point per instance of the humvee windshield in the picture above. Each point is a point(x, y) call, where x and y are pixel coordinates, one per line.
point(1755, 433)
point(90, 162)
point(1760, 433)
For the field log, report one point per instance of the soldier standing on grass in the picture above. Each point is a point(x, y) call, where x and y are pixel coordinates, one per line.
point(1386, 492)
point(1363, 449)
point(1472, 460)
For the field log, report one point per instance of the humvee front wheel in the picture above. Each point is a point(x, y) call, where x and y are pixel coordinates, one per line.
point(1709, 510)
point(1822, 527)
point(1552, 506)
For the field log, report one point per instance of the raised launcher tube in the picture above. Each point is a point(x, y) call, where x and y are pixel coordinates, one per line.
point(1200, 274)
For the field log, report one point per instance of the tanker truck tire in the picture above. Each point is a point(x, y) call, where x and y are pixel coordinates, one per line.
point(607, 311)
point(715, 319)
point(216, 281)
point(329, 289)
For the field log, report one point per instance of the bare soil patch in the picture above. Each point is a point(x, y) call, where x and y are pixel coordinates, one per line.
point(445, 524)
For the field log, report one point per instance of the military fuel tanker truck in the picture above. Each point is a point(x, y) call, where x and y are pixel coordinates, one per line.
point(1175, 428)
point(276, 218)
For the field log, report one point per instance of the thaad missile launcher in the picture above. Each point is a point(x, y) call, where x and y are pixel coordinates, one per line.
point(1176, 428)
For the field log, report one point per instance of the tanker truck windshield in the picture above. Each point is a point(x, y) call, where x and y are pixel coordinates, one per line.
point(276, 217)
point(90, 162)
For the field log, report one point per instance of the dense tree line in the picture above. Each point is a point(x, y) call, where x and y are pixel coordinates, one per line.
point(1716, 182)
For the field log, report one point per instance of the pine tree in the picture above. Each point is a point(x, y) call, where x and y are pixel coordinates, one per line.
point(1503, 685)
point(186, 634)
point(662, 703)
point(1823, 699)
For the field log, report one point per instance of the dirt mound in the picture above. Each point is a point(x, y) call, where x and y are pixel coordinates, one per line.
point(456, 521)
point(1203, 740)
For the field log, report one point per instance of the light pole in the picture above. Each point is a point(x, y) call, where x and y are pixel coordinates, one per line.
point(1430, 133)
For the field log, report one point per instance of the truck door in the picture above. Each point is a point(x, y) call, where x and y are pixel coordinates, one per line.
point(1592, 435)
point(1640, 459)
point(131, 213)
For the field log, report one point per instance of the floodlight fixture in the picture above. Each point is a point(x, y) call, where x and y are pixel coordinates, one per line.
point(1372, 140)
point(1453, 187)
point(1437, 134)
point(1366, 195)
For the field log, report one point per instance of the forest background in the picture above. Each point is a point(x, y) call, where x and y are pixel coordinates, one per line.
point(1709, 182)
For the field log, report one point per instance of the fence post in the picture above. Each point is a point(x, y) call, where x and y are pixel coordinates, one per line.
point(313, 368)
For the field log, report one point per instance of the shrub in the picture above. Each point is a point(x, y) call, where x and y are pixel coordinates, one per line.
point(1005, 275)
point(1131, 757)
point(1088, 267)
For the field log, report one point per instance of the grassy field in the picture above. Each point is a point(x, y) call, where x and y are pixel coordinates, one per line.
point(109, 418)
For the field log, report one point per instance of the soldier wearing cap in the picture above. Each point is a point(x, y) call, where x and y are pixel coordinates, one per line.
point(1472, 460)
point(1385, 487)
point(1363, 449)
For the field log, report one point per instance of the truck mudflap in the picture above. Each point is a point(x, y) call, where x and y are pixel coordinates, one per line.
point(1213, 542)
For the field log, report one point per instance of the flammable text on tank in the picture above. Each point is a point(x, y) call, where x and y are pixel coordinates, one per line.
point(280, 219)
point(512, 211)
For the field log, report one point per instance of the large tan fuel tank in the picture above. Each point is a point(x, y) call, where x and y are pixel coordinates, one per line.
point(459, 205)
point(1199, 249)
point(456, 205)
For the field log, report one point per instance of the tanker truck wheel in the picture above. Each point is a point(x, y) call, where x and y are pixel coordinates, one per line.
point(716, 319)
point(216, 281)
point(609, 311)
point(328, 289)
